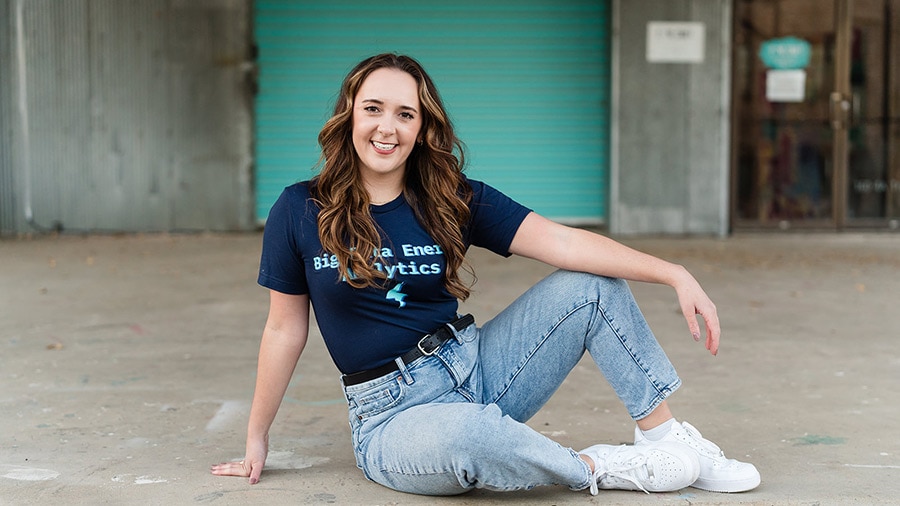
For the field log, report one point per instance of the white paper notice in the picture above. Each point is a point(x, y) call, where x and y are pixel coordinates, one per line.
point(785, 85)
point(675, 42)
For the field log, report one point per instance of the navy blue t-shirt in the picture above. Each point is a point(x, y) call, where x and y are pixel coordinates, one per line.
point(364, 328)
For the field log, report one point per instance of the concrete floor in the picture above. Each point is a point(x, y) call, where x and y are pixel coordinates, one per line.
point(127, 367)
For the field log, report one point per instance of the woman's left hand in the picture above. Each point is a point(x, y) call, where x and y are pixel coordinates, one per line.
point(694, 301)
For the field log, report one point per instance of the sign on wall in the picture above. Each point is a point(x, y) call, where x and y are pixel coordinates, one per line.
point(675, 42)
point(785, 85)
point(786, 58)
point(785, 53)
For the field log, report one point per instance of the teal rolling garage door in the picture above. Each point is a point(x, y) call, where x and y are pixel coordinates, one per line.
point(526, 83)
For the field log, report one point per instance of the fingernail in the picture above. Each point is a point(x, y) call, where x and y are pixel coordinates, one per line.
point(696, 336)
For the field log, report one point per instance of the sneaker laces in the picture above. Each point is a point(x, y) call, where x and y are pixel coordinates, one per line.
point(621, 471)
point(705, 445)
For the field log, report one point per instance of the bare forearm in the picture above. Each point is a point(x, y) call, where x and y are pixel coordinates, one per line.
point(600, 255)
point(277, 359)
point(283, 339)
point(580, 250)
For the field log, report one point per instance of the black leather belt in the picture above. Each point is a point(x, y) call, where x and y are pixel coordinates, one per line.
point(426, 346)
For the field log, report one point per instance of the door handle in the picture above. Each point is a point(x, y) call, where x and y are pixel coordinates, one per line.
point(839, 110)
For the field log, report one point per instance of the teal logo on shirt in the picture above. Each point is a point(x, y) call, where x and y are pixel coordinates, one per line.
point(397, 294)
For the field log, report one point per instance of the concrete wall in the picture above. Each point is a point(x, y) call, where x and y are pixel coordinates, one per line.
point(670, 124)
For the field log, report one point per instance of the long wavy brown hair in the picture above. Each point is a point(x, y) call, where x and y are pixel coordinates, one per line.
point(435, 187)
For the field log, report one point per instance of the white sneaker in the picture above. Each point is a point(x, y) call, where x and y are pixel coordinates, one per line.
point(662, 467)
point(717, 473)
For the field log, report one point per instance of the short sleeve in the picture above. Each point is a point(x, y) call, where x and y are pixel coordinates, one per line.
point(281, 266)
point(495, 218)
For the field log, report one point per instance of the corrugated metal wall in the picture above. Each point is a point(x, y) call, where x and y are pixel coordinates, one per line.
point(526, 82)
point(7, 116)
point(671, 124)
point(125, 115)
point(7, 200)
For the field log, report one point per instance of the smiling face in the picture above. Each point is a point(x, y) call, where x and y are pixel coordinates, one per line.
point(386, 124)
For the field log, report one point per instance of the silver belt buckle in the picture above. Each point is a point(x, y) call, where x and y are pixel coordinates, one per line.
point(422, 350)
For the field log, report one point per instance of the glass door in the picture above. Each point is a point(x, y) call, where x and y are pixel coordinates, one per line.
point(873, 168)
point(816, 114)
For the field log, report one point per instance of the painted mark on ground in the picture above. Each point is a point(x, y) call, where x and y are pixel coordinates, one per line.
point(210, 497)
point(29, 474)
point(139, 480)
point(125, 381)
point(872, 466)
point(290, 460)
point(228, 411)
point(554, 433)
point(813, 439)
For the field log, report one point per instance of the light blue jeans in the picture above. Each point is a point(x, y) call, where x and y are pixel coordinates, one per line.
point(455, 421)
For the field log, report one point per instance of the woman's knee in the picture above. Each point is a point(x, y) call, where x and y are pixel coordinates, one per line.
point(582, 283)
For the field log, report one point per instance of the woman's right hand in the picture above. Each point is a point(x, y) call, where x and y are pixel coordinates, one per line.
point(252, 465)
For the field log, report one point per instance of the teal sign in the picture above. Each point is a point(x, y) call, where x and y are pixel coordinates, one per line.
point(785, 53)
